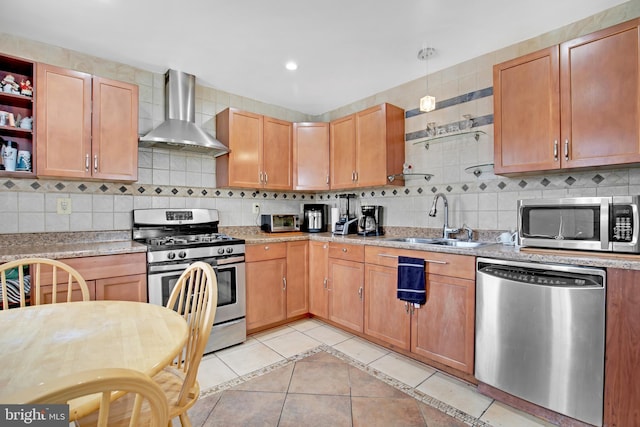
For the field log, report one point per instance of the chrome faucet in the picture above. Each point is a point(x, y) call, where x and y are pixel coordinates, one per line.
point(446, 230)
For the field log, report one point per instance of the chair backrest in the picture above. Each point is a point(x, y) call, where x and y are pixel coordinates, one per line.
point(105, 381)
point(43, 278)
point(194, 297)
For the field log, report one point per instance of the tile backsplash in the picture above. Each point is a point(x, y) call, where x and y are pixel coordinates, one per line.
point(461, 167)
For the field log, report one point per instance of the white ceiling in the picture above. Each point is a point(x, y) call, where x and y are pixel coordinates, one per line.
point(346, 49)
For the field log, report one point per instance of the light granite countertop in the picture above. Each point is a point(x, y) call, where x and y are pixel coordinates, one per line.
point(71, 245)
point(496, 251)
point(66, 245)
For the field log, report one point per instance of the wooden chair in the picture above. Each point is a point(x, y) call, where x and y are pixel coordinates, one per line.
point(20, 288)
point(146, 395)
point(195, 298)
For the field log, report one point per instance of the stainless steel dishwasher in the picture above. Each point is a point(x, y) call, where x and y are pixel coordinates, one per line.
point(540, 334)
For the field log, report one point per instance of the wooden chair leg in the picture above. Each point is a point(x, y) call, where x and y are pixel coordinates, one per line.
point(185, 420)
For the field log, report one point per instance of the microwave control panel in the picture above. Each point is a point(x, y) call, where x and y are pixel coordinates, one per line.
point(622, 221)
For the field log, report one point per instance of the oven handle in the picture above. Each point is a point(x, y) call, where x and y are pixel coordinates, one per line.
point(214, 262)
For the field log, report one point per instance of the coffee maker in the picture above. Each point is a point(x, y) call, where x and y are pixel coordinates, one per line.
point(316, 218)
point(370, 223)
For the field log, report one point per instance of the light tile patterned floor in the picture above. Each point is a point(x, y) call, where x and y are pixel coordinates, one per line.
point(291, 346)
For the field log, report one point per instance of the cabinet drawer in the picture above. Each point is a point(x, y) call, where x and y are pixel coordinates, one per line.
point(102, 267)
point(462, 266)
point(265, 251)
point(346, 251)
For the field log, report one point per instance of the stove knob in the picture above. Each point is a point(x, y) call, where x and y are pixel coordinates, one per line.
point(182, 254)
point(221, 251)
point(171, 255)
point(229, 250)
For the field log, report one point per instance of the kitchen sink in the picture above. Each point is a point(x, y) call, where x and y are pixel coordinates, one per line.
point(440, 242)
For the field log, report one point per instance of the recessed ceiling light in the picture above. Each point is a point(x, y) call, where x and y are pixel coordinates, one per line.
point(291, 66)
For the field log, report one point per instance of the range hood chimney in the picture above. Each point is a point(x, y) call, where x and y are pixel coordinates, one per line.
point(179, 130)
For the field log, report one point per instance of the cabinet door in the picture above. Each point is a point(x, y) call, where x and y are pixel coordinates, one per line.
point(46, 293)
point(266, 301)
point(297, 278)
point(385, 317)
point(443, 328)
point(277, 154)
point(115, 130)
point(245, 143)
point(527, 113)
point(311, 156)
point(343, 152)
point(600, 92)
point(622, 364)
point(319, 278)
point(63, 125)
point(346, 293)
point(124, 288)
point(371, 147)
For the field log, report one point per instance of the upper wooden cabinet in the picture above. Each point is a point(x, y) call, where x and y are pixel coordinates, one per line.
point(367, 147)
point(260, 151)
point(572, 105)
point(87, 126)
point(311, 156)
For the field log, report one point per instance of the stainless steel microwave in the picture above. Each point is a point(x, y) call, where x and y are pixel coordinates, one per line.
point(608, 224)
point(278, 223)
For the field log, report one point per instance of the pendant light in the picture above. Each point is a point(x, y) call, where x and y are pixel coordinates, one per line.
point(427, 102)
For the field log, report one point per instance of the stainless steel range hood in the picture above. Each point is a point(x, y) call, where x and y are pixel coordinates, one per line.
point(179, 130)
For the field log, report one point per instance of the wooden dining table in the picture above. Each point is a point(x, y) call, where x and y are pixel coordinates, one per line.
point(39, 344)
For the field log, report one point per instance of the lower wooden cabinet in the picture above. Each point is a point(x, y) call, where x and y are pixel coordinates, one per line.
point(277, 282)
point(319, 279)
point(443, 328)
point(622, 351)
point(110, 277)
point(346, 285)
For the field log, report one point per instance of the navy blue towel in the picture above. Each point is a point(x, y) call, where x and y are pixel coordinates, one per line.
point(411, 280)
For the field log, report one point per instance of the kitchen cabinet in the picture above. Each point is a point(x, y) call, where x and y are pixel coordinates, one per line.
point(346, 285)
point(87, 126)
point(319, 279)
point(110, 277)
point(622, 350)
point(367, 147)
point(572, 105)
point(277, 282)
point(311, 156)
point(297, 282)
point(443, 328)
point(260, 151)
point(17, 105)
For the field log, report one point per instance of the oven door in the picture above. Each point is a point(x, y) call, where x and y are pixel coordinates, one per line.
point(569, 223)
point(230, 273)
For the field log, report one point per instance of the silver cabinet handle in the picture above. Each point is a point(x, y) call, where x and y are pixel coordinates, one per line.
point(555, 150)
point(406, 307)
point(260, 177)
point(327, 179)
point(86, 162)
point(344, 250)
point(266, 178)
point(360, 292)
point(566, 149)
point(432, 261)
point(284, 283)
point(266, 248)
point(353, 176)
point(356, 174)
point(95, 163)
point(324, 283)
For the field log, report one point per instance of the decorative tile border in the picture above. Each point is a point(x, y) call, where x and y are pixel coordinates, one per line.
point(460, 99)
point(421, 397)
point(485, 183)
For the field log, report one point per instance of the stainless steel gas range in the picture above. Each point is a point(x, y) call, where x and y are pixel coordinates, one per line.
point(176, 238)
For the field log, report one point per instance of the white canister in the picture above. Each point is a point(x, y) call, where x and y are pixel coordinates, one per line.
point(9, 155)
point(24, 161)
